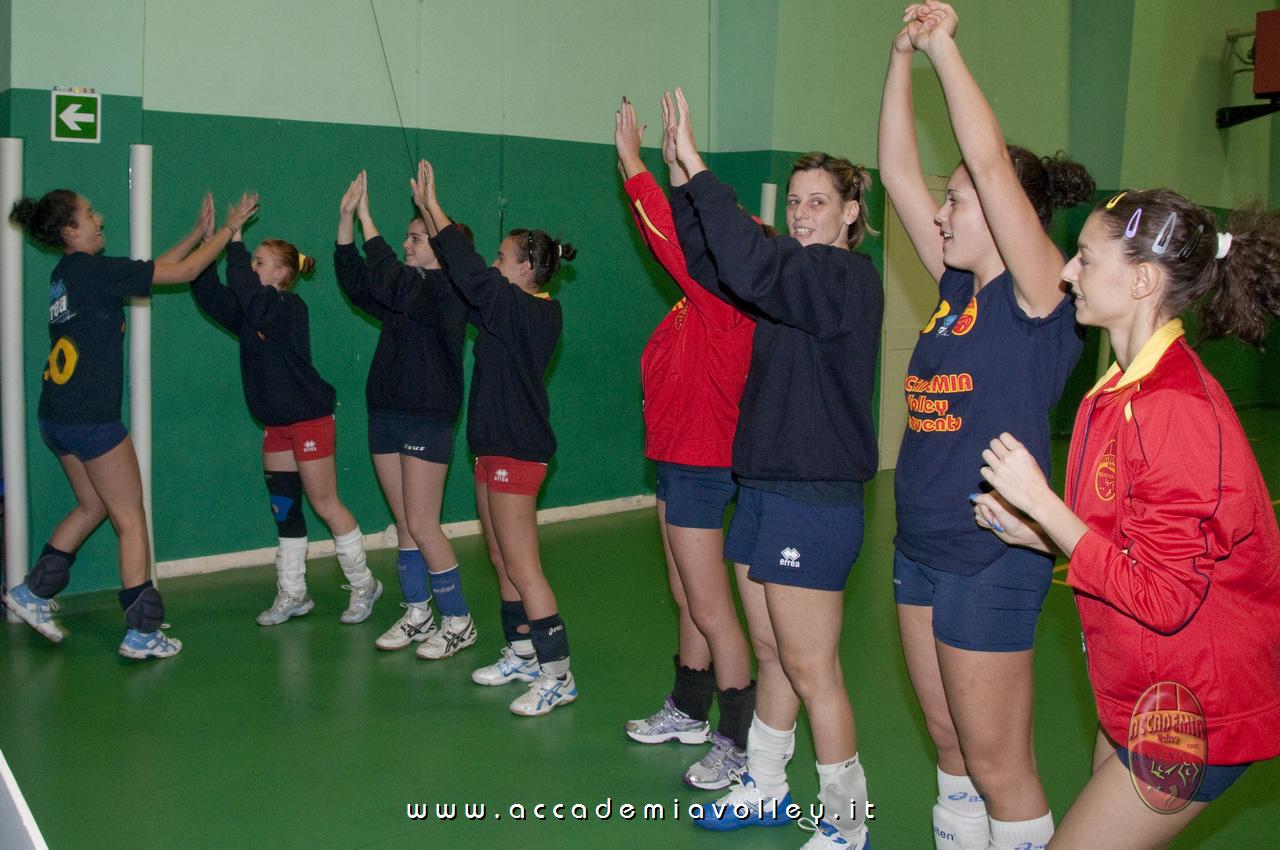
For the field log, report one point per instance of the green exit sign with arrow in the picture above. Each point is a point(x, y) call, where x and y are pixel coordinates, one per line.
point(75, 116)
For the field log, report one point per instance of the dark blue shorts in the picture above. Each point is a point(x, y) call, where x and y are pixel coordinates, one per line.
point(1217, 777)
point(415, 436)
point(991, 611)
point(787, 541)
point(86, 442)
point(695, 496)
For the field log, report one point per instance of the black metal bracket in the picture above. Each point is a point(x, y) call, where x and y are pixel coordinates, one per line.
point(1230, 116)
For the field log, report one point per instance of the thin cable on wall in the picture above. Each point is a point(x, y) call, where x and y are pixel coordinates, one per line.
point(390, 80)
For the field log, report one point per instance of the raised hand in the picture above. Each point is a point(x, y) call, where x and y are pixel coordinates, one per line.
point(627, 135)
point(240, 213)
point(208, 219)
point(423, 187)
point(1015, 474)
point(356, 191)
point(669, 123)
point(686, 147)
point(928, 23)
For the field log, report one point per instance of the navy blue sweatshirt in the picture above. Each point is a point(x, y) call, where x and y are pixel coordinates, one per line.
point(417, 365)
point(281, 386)
point(806, 410)
point(508, 412)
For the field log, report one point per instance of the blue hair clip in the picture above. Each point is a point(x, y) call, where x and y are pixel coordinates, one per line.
point(1165, 236)
point(1131, 229)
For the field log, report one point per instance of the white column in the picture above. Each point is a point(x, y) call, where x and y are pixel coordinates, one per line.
point(140, 327)
point(16, 553)
point(768, 202)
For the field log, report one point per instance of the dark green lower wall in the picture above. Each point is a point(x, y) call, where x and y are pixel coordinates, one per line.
point(208, 492)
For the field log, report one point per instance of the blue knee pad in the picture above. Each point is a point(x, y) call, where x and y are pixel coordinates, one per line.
point(550, 642)
point(51, 574)
point(146, 612)
point(447, 588)
point(411, 568)
point(285, 490)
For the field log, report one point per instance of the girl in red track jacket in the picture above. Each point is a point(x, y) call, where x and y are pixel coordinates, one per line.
point(1175, 553)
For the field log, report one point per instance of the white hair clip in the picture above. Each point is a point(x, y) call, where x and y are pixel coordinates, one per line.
point(1165, 236)
point(1224, 245)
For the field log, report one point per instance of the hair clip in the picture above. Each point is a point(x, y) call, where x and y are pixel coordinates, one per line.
point(1165, 236)
point(1191, 243)
point(1115, 199)
point(1131, 229)
point(1224, 245)
point(302, 260)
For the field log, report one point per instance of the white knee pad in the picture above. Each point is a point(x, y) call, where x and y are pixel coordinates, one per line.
point(954, 831)
point(291, 566)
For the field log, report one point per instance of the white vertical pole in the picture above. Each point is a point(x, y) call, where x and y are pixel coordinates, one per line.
point(140, 327)
point(768, 202)
point(11, 371)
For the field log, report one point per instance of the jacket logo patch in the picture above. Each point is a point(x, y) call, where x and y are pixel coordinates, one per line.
point(1104, 476)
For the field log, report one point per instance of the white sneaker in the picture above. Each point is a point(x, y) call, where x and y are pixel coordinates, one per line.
point(285, 607)
point(141, 645)
point(417, 624)
point(455, 633)
point(668, 724)
point(546, 692)
point(37, 612)
point(508, 668)
point(360, 606)
point(719, 767)
point(827, 837)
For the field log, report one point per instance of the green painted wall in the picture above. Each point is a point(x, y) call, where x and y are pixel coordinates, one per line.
point(744, 41)
point(1101, 32)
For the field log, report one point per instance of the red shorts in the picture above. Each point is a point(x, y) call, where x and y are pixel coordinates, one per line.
point(508, 475)
point(310, 440)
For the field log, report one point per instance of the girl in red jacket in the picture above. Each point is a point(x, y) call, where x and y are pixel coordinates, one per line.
point(1175, 555)
point(693, 370)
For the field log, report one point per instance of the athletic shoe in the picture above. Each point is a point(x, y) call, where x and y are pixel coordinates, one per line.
point(35, 611)
point(745, 805)
point(417, 624)
point(284, 607)
point(827, 837)
point(546, 692)
point(719, 767)
point(360, 606)
point(508, 668)
point(455, 633)
point(155, 644)
point(668, 724)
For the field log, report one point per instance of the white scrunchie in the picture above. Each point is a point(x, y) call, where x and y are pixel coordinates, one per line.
point(1224, 245)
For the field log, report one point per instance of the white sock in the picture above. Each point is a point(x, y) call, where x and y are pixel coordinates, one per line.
point(523, 647)
point(350, 548)
point(842, 789)
point(768, 751)
point(958, 794)
point(291, 566)
point(1015, 835)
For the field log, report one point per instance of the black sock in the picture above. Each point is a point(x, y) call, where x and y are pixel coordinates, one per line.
point(693, 691)
point(737, 705)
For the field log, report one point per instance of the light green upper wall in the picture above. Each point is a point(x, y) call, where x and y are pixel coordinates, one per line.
point(744, 45)
point(76, 43)
point(6, 44)
point(553, 69)
point(1179, 76)
point(832, 56)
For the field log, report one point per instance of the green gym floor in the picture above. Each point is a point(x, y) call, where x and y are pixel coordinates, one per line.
point(304, 735)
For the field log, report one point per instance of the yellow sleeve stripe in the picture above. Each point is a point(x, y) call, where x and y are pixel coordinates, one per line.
point(647, 223)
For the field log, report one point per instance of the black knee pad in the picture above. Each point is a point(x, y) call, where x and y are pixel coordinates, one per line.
point(147, 611)
point(285, 490)
point(51, 574)
point(550, 641)
point(513, 617)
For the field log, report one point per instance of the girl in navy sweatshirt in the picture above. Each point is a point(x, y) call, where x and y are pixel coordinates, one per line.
point(295, 405)
point(509, 432)
point(803, 447)
point(414, 394)
point(80, 404)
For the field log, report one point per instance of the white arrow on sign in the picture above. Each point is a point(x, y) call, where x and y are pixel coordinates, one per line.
point(72, 116)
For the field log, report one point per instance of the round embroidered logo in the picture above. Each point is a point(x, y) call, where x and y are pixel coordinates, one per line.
point(1104, 477)
point(1168, 746)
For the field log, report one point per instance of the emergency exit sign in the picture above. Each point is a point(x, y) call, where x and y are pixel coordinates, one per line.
point(75, 116)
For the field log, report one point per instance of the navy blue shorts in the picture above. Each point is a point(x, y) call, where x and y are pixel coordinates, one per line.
point(695, 496)
point(1217, 777)
point(415, 436)
point(86, 442)
point(787, 541)
point(991, 611)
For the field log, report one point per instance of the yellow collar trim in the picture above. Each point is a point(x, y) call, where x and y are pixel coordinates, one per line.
point(1149, 355)
point(546, 295)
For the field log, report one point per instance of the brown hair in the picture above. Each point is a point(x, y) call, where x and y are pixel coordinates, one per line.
point(44, 219)
point(293, 260)
point(1235, 295)
point(1051, 182)
point(542, 252)
point(853, 182)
